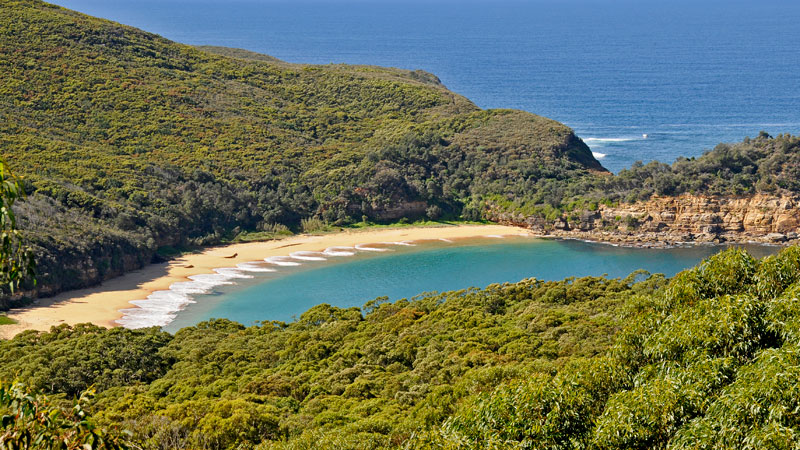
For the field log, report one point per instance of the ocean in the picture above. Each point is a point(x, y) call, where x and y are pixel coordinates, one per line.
point(688, 74)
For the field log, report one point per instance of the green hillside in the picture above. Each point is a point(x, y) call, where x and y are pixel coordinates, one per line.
point(761, 165)
point(129, 142)
point(708, 359)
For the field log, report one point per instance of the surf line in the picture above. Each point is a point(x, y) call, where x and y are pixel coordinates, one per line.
point(161, 307)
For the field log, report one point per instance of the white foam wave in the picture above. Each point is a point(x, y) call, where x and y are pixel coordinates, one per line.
point(592, 140)
point(161, 307)
point(367, 248)
point(599, 155)
point(161, 303)
point(282, 261)
point(446, 240)
point(340, 251)
point(496, 236)
point(253, 267)
point(142, 318)
point(308, 256)
point(187, 288)
point(403, 243)
point(232, 272)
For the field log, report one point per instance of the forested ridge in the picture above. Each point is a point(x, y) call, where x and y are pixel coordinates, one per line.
point(760, 165)
point(707, 359)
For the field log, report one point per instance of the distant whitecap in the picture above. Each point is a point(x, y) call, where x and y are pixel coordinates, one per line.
point(593, 140)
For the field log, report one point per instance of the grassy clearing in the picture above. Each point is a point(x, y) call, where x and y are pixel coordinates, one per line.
point(5, 320)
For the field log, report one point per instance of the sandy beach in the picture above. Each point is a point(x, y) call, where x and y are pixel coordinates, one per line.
point(101, 305)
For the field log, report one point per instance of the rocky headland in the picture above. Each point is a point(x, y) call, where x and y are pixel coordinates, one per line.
point(669, 221)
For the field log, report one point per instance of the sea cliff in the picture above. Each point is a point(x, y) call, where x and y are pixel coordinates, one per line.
point(665, 221)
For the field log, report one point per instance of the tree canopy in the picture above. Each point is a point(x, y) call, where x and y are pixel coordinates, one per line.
point(707, 359)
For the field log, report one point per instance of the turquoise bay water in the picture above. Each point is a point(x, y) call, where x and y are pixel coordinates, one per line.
point(409, 271)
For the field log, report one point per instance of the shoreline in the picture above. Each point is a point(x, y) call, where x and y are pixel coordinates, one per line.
point(102, 305)
point(665, 240)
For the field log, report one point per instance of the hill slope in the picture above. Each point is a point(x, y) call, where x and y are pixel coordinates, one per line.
point(130, 142)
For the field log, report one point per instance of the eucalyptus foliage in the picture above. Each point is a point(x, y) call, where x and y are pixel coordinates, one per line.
point(32, 421)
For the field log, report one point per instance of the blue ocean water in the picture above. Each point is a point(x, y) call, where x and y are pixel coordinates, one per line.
point(689, 74)
point(409, 271)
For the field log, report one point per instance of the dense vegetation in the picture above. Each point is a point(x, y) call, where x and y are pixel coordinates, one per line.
point(129, 143)
point(372, 376)
point(708, 359)
point(759, 165)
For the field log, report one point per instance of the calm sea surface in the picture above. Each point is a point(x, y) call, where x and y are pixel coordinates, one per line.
point(689, 74)
point(404, 272)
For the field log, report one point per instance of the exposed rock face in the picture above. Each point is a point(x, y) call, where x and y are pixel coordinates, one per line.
point(687, 218)
point(756, 215)
point(77, 271)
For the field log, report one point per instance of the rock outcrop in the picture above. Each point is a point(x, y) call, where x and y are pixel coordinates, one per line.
point(663, 221)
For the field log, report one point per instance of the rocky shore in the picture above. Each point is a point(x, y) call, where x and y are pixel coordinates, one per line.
point(669, 221)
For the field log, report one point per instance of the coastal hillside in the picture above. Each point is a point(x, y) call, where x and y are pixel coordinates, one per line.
point(741, 192)
point(707, 359)
point(132, 145)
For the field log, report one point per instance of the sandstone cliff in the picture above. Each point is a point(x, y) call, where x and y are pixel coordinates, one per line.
point(663, 221)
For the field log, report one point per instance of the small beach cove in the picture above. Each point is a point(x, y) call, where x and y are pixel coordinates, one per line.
point(281, 279)
point(101, 305)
